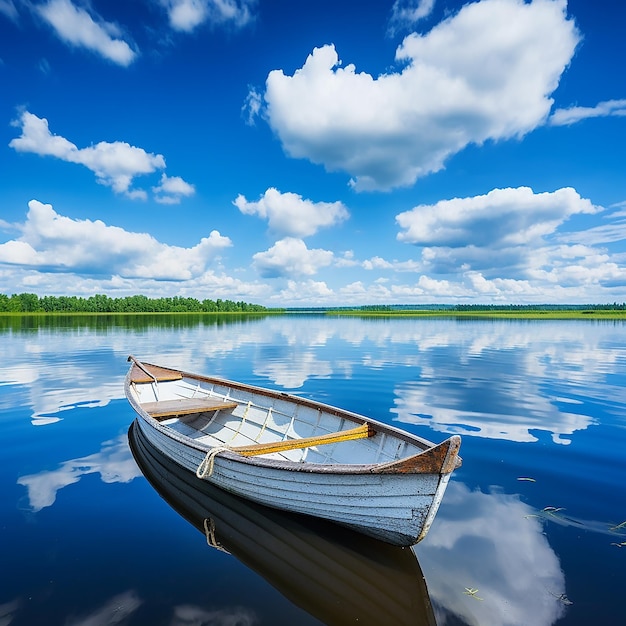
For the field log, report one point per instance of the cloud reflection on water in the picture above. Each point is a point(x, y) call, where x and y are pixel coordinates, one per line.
point(425, 403)
point(48, 391)
point(116, 610)
point(190, 615)
point(114, 463)
point(499, 379)
point(504, 385)
point(486, 541)
point(9, 610)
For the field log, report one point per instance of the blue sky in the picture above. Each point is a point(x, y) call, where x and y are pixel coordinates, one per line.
point(314, 152)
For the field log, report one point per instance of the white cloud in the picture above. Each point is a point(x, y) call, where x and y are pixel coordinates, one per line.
point(506, 246)
point(186, 15)
point(4, 225)
point(289, 214)
point(501, 287)
point(82, 28)
point(564, 117)
point(252, 106)
point(114, 164)
point(516, 258)
point(347, 260)
point(406, 13)
point(498, 219)
point(306, 291)
point(358, 293)
point(576, 266)
point(485, 73)
point(378, 263)
point(52, 242)
point(213, 284)
point(612, 230)
point(503, 233)
point(291, 257)
point(171, 189)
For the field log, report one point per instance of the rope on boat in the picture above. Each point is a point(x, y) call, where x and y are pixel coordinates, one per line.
point(205, 469)
point(267, 417)
point(243, 419)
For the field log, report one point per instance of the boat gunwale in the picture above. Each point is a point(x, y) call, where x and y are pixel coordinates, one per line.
point(450, 462)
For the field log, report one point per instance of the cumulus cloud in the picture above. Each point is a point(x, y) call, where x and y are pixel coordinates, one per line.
point(377, 262)
point(291, 257)
point(171, 189)
point(576, 266)
point(55, 243)
point(186, 15)
point(498, 230)
point(55, 281)
point(506, 246)
point(82, 28)
point(114, 164)
point(609, 108)
point(486, 73)
point(305, 291)
point(500, 218)
point(291, 215)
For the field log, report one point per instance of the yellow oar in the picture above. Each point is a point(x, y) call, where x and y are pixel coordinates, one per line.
point(360, 432)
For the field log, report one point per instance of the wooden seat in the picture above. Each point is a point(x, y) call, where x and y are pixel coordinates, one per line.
point(360, 432)
point(185, 406)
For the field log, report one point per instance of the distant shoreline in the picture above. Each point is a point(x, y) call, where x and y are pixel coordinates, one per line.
point(31, 304)
point(560, 314)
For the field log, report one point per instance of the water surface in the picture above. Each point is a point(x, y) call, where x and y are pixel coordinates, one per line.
point(532, 529)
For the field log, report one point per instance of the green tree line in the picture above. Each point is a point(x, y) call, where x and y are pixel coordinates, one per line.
point(100, 303)
point(514, 308)
point(616, 306)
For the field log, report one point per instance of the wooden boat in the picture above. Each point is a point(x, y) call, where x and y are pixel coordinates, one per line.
point(294, 454)
point(335, 574)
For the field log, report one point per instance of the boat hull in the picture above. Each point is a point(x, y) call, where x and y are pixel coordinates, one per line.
point(395, 508)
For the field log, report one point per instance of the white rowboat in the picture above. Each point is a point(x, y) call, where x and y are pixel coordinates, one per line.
point(294, 454)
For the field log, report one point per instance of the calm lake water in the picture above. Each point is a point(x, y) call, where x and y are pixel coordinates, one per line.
point(532, 529)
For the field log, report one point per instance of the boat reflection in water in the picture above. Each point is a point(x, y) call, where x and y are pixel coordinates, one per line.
point(337, 575)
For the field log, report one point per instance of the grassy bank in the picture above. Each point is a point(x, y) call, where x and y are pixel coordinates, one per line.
point(562, 314)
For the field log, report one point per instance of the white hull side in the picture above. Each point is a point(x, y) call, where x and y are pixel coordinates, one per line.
point(397, 508)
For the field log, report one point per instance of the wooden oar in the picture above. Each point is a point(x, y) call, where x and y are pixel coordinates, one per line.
point(360, 432)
